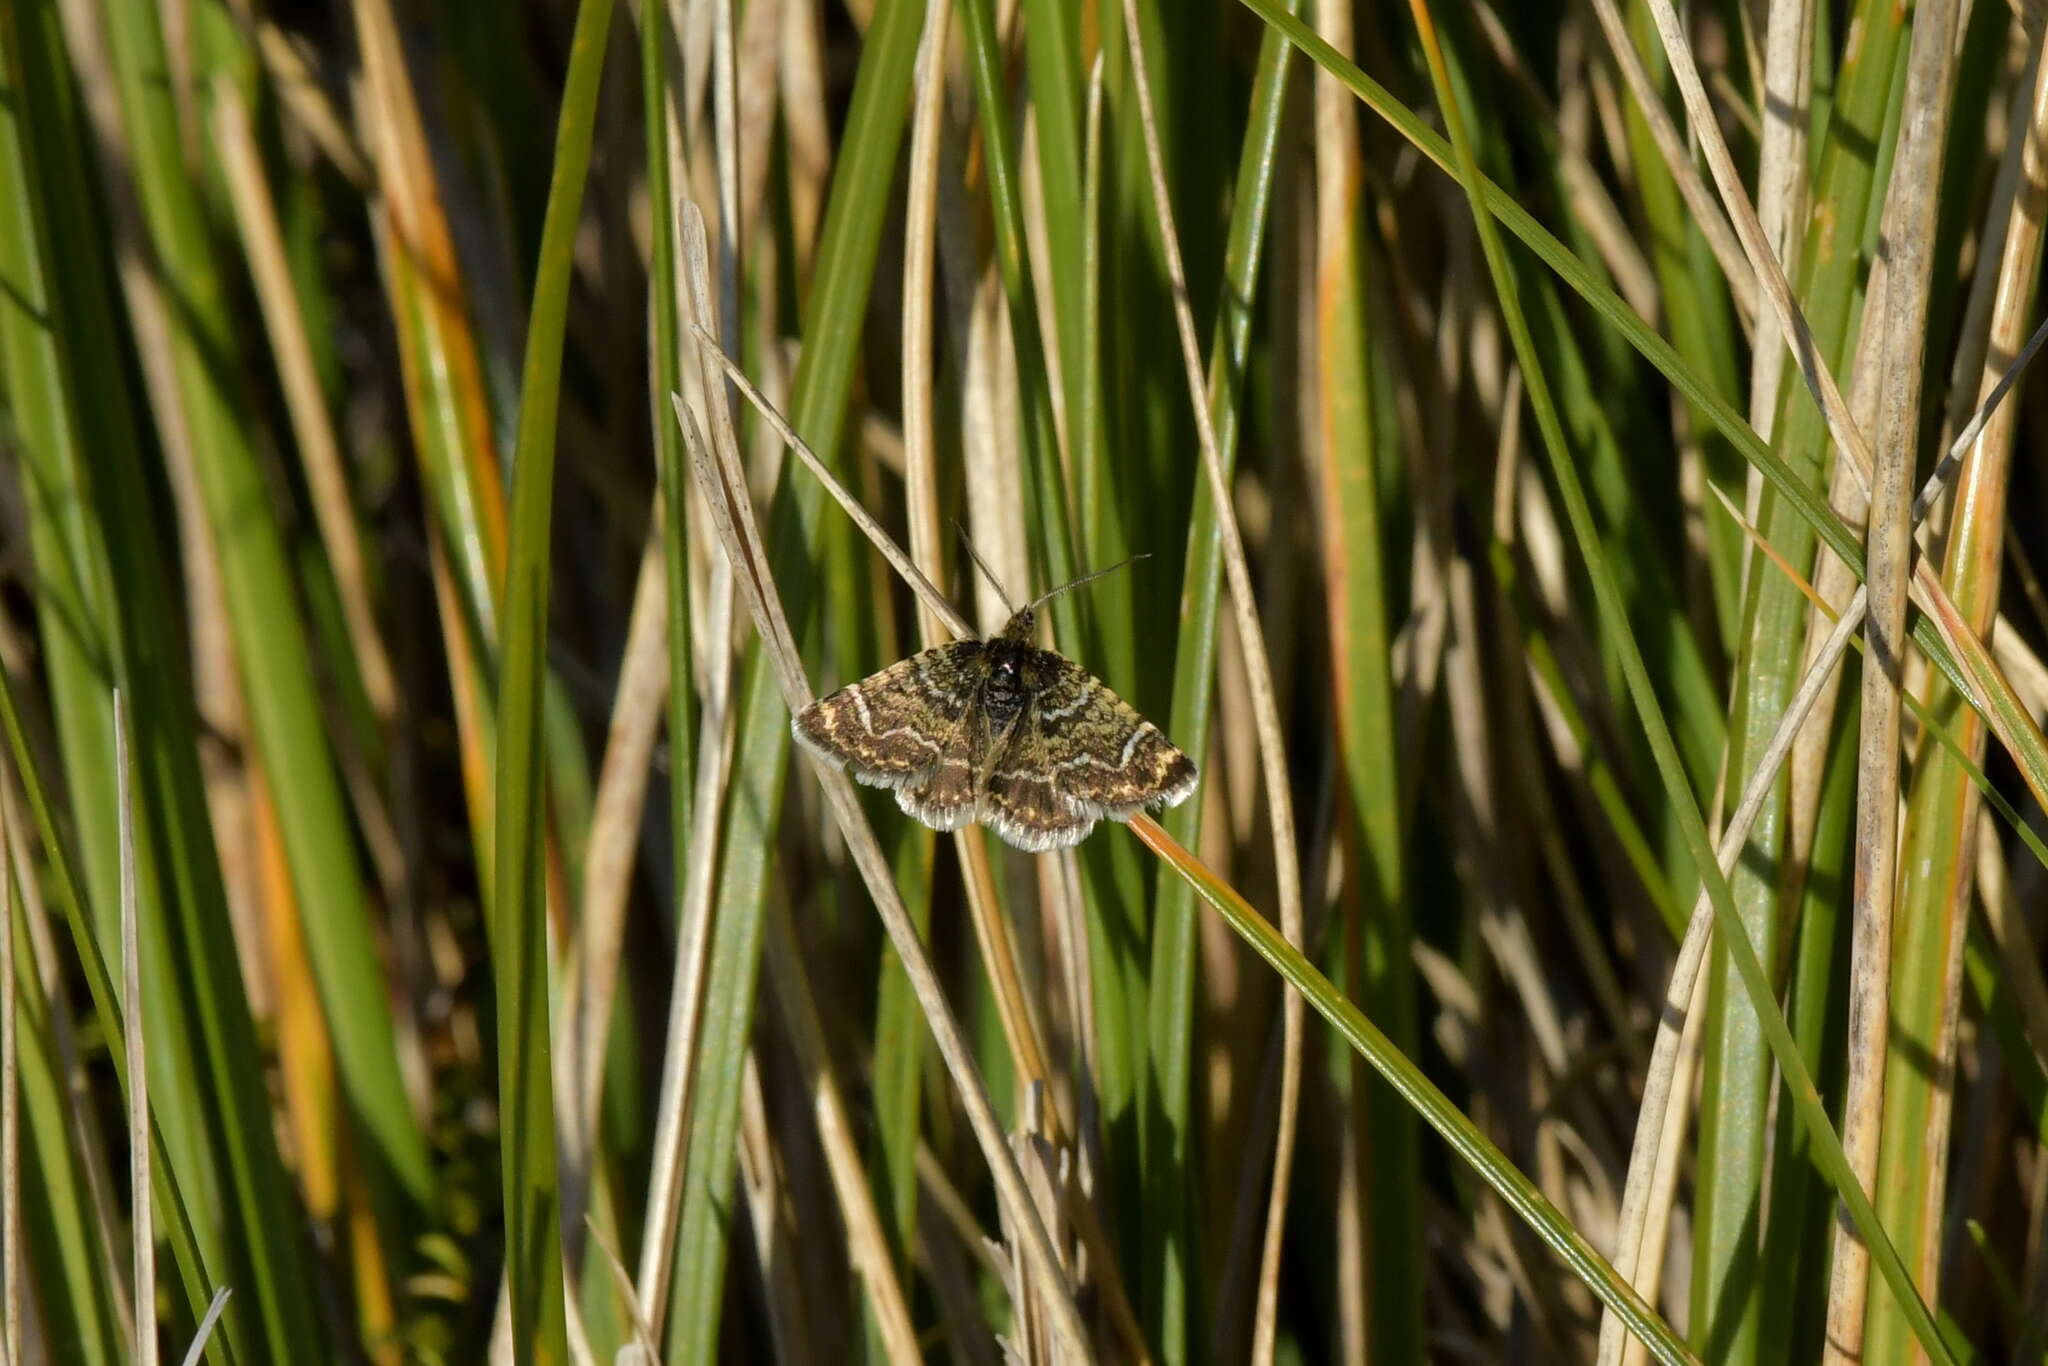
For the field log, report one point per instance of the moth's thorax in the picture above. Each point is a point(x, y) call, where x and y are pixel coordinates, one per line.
point(1010, 675)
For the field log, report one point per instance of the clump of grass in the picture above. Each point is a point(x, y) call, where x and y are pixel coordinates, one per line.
point(398, 412)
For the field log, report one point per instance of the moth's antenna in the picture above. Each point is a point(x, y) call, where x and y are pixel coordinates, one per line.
point(982, 565)
point(1085, 578)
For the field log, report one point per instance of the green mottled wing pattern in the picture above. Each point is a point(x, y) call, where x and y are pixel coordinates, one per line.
point(898, 728)
point(1078, 754)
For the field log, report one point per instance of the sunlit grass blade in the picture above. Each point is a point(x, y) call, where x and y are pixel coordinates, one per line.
point(441, 361)
point(1420, 1094)
point(900, 1055)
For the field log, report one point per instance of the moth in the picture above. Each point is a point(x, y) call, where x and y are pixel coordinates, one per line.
point(999, 731)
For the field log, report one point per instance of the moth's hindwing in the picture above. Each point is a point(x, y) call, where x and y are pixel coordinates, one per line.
point(944, 798)
point(1023, 803)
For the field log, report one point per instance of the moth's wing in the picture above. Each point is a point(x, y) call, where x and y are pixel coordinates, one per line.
point(943, 796)
point(893, 728)
point(1102, 756)
point(1079, 753)
point(1021, 803)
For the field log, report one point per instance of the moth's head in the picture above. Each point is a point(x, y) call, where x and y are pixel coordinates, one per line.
point(1020, 626)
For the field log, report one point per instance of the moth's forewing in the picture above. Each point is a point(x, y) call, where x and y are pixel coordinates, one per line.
point(890, 728)
point(1100, 752)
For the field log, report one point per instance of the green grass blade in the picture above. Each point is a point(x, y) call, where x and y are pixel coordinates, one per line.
point(216, 1148)
point(1173, 971)
point(1355, 466)
point(1053, 524)
point(1698, 312)
point(1729, 1297)
point(1733, 935)
point(1793, 1260)
point(1057, 89)
point(197, 1249)
point(847, 246)
point(270, 646)
point(533, 1249)
point(73, 1265)
point(1422, 1096)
